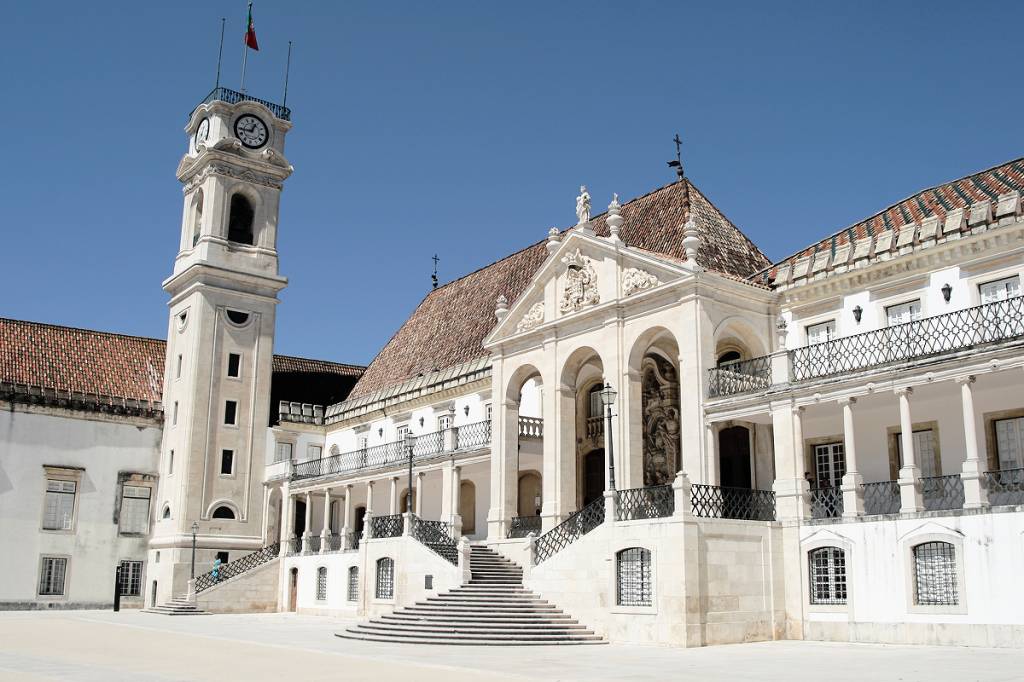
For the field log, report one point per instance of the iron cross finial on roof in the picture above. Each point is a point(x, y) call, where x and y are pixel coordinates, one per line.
point(678, 163)
point(433, 277)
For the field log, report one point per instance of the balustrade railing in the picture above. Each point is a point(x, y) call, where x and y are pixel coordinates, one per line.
point(717, 502)
point(531, 427)
point(474, 435)
point(881, 497)
point(653, 502)
point(595, 427)
point(958, 330)
point(521, 526)
point(942, 492)
point(570, 530)
point(826, 503)
point(1005, 487)
point(738, 377)
point(436, 535)
point(390, 526)
point(237, 567)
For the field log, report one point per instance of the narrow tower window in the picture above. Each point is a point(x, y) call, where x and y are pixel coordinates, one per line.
point(227, 462)
point(197, 218)
point(240, 220)
point(234, 363)
point(230, 412)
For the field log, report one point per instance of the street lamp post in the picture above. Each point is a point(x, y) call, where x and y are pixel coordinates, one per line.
point(195, 529)
point(410, 443)
point(608, 398)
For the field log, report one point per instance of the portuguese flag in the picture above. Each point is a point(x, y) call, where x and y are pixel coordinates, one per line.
point(250, 32)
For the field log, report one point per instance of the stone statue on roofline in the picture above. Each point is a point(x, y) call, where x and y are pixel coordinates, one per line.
point(583, 206)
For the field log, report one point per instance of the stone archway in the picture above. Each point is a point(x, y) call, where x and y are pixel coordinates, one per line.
point(529, 494)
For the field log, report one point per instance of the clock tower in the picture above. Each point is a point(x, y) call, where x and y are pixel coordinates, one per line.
point(220, 339)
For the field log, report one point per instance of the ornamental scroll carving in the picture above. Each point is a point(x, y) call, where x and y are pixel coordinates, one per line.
point(533, 317)
point(580, 283)
point(225, 170)
point(635, 279)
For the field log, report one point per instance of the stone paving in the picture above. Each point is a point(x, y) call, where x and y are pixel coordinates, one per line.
point(101, 646)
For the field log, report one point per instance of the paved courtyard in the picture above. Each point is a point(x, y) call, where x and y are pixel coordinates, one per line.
point(101, 646)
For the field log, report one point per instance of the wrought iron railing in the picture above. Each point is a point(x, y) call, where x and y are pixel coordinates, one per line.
point(390, 526)
point(521, 526)
point(474, 435)
point(1005, 487)
point(717, 502)
point(570, 530)
point(595, 427)
point(738, 377)
point(369, 458)
point(942, 492)
point(234, 97)
point(653, 502)
point(959, 330)
point(436, 535)
point(295, 545)
point(826, 503)
point(313, 543)
point(531, 427)
point(335, 542)
point(882, 497)
point(428, 444)
point(237, 567)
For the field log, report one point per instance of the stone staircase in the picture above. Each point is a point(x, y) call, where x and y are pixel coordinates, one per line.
point(178, 606)
point(493, 608)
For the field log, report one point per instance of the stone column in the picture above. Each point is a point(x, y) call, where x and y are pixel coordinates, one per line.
point(418, 499)
point(713, 473)
point(266, 515)
point(504, 472)
point(287, 510)
point(456, 516)
point(853, 492)
point(393, 508)
point(347, 526)
point(368, 514)
point(792, 491)
point(975, 494)
point(910, 473)
point(446, 490)
point(309, 523)
point(325, 533)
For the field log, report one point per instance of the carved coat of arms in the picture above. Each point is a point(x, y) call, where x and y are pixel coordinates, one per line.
point(580, 283)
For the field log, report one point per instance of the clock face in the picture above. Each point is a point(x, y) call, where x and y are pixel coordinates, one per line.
point(251, 131)
point(203, 132)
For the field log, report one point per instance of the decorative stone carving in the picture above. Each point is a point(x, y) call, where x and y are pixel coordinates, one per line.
point(501, 307)
point(614, 219)
point(583, 206)
point(635, 279)
point(554, 239)
point(691, 239)
point(243, 174)
point(660, 406)
point(533, 317)
point(580, 283)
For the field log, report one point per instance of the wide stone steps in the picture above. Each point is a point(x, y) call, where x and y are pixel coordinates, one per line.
point(177, 607)
point(492, 609)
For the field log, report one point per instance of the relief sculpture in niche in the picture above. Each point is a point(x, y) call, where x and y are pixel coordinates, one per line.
point(580, 283)
point(660, 405)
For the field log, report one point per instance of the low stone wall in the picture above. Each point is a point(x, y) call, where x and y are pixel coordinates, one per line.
point(254, 591)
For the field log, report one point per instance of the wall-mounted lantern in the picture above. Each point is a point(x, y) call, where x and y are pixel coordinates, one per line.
point(857, 312)
point(947, 291)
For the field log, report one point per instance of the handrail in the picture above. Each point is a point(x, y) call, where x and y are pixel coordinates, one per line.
point(436, 535)
point(237, 567)
point(570, 530)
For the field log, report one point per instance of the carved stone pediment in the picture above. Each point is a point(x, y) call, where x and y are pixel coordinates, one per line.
point(580, 283)
point(533, 317)
point(635, 279)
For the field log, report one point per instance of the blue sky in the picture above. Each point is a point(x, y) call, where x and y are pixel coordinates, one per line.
point(465, 129)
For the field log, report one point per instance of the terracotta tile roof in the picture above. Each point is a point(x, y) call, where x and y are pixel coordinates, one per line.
point(87, 361)
point(934, 201)
point(449, 325)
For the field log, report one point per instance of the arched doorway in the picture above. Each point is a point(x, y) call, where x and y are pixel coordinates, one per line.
point(299, 525)
point(734, 457)
point(593, 476)
point(529, 494)
point(467, 507)
point(357, 527)
point(293, 590)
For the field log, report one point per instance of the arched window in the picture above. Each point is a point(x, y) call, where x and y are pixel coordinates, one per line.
point(827, 574)
point(595, 409)
point(321, 583)
point(240, 220)
point(353, 583)
point(166, 513)
point(728, 357)
point(633, 577)
point(197, 217)
point(935, 574)
point(223, 512)
point(385, 578)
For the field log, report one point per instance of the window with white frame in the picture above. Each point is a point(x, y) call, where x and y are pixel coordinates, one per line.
point(363, 442)
point(924, 449)
point(633, 577)
point(283, 452)
point(903, 313)
point(829, 464)
point(1010, 442)
point(935, 581)
point(827, 575)
point(353, 583)
point(444, 422)
point(59, 507)
point(321, 583)
point(134, 516)
point(1000, 290)
point(314, 452)
point(131, 578)
point(401, 431)
point(822, 332)
point(234, 365)
point(488, 411)
point(52, 571)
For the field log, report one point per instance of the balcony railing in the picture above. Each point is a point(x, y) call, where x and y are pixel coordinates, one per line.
point(1005, 487)
point(334, 542)
point(653, 502)
point(826, 503)
point(740, 377)
point(716, 502)
point(531, 427)
point(522, 526)
point(313, 542)
point(234, 97)
point(942, 492)
point(390, 526)
point(474, 435)
point(959, 330)
point(295, 545)
point(595, 427)
point(881, 497)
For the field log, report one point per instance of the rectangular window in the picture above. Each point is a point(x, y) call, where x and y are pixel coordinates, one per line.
point(924, 448)
point(174, 414)
point(595, 409)
point(134, 517)
point(51, 575)
point(177, 372)
point(401, 431)
point(234, 364)
point(903, 313)
point(321, 583)
point(227, 462)
point(170, 463)
point(827, 574)
point(1000, 290)
point(284, 452)
point(488, 409)
point(1010, 443)
point(363, 442)
point(830, 465)
point(822, 332)
point(444, 422)
point(59, 512)
point(230, 412)
point(314, 452)
point(131, 578)
point(223, 556)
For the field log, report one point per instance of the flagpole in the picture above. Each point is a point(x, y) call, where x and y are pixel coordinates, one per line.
point(287, 68)
point(220, 53)
point(245, 51)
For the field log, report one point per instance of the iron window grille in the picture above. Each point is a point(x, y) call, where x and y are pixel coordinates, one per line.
point(321, 583)
point(633, 585)
point(653, 502)
point(131, 578)
point(935, 574)
point(353, 583)
point(827, 571)
point(134, 516)
point(51, 576)
point(385, 578)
